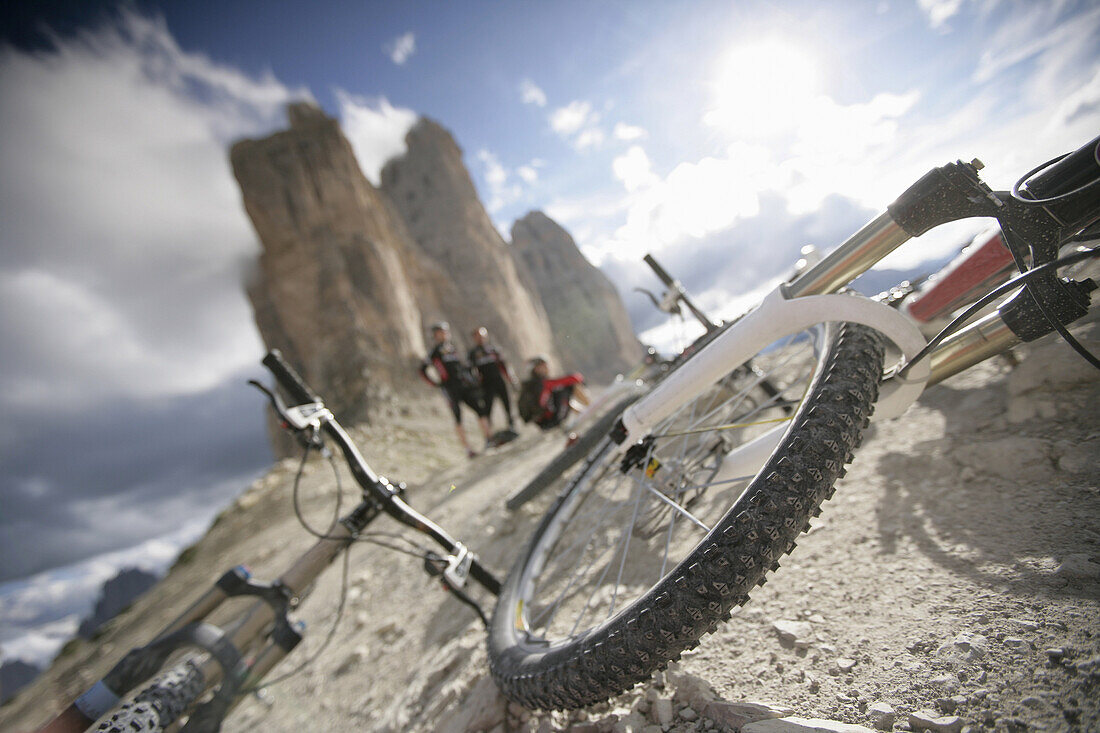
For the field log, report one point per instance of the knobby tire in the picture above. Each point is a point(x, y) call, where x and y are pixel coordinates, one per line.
point(721, 570)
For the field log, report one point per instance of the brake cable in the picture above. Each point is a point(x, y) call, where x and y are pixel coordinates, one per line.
point(1009, 286)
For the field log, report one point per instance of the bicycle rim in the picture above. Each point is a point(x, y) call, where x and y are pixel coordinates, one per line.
point(624, 531)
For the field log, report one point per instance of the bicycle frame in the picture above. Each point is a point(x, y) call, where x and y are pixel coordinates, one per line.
point(265, 628)
point(945, 194)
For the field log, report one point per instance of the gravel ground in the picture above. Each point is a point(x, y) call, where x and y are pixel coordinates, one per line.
point(952, 583)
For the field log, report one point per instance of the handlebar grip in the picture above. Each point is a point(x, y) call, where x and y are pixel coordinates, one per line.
point(658, 270)
point(288, 378)
point(1068, 186)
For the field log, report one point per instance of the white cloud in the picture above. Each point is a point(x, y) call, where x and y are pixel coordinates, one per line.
point(1060, 46)
point(939, 11)
point(571, 118)
point(819, 146)
point(627, 132)
point(503, 188)
point(633, 168)
point(376, 130)
point(530, 93)
point(87, 323)
point(401, 49)
point(40, 613)
point(589, 138)
point(1084, 103)
point(118, 214)
point(501, 191)
point(123, 253)
point(693, 201)
point(579, 123)
point(494, 171)
point(810, 169)
point(604, 207)
point(528, 173)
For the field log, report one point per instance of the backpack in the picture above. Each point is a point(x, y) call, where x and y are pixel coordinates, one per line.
point(528, 401)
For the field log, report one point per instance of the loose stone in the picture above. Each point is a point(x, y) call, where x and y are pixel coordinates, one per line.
point(927, 720)
point(797, 634)
point(882, 715)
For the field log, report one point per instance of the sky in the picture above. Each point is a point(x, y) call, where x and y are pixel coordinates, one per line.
point(719, 136)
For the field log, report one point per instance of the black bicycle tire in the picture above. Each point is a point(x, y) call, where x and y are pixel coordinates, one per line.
point(160, 703)
point(689, 602)
point(570, 456)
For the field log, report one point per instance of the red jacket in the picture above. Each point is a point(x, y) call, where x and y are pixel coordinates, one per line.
point(549, 385)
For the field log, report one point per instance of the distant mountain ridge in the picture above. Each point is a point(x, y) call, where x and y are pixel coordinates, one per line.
point(14, 676)
point(587, 316)
point(115, 595)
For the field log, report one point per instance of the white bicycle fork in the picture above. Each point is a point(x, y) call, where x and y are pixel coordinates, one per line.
point(777, 317)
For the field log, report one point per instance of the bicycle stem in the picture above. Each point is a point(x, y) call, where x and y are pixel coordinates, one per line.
point(954, 192)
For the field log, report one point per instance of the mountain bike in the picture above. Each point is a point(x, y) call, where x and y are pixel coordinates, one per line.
point(220, 664)
point(700, 487)
point(626, 389)
point(697, 491)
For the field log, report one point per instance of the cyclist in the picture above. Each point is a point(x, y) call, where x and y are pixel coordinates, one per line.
point(493, 373)
point(456, 382)
point(547, 402)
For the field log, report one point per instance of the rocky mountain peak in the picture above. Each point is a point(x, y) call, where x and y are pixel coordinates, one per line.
point(304, 114)
point(436, 198)
point(116, 594)
point(350, 275)
point(333, 287)
point(592, 330)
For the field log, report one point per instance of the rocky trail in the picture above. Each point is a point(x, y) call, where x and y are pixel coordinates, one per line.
point(952, 583)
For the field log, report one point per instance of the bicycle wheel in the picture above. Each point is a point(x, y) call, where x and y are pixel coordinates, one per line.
point(641, 556)
point(160, 703)
point(568, 457)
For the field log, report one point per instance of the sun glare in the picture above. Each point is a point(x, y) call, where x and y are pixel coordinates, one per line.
point(762, 88)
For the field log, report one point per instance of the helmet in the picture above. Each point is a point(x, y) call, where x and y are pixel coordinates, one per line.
point(441, 326)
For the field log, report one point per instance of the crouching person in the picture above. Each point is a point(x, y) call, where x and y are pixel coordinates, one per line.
point(548, 402)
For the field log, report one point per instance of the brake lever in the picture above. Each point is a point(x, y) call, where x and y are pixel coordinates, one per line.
point(303, 421)
point(277, 403)
point(672, 308)
point(452, 572)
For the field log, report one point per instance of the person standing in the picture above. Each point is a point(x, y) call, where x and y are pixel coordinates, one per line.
point(493, 373)
point(456, 382)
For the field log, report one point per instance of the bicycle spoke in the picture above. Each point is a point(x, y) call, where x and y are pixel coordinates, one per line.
point(553, 609)
point(599, 583)
point(602, 517)
point(691, 517)
point(626, 544)
point(693, 487)
point(600, 554)
point(668, 542)
point(740, 396)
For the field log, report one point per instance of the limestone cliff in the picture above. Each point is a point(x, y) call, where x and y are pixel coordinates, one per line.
point(332, 287)
point(591, 328)
point(350, 275)
point(431, 189)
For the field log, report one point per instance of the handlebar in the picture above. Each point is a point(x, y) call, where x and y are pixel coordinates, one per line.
point(659, 271)
point(376, 490)
point(676, 290)
point(287, 378)
point(1068, 187)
